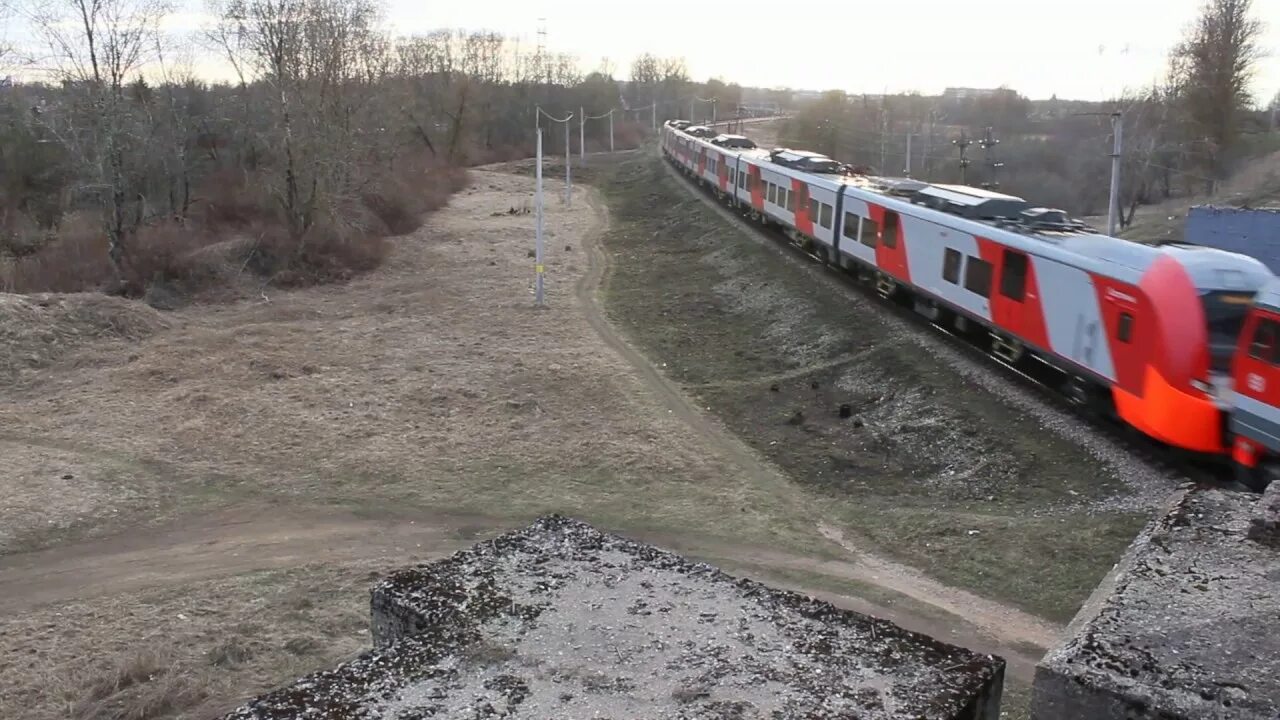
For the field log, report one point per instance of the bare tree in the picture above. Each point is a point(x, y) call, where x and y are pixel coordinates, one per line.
point(95, 47)
point(1214, 64)
point(323, 61)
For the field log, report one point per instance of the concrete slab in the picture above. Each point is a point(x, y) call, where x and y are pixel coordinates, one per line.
point(1185, 626)
point(560, 620)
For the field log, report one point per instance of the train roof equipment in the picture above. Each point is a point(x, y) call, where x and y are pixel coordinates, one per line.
point(806, 161)
point(734, 141)
point(970, 202)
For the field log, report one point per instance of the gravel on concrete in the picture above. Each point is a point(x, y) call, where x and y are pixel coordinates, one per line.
point(561, 620)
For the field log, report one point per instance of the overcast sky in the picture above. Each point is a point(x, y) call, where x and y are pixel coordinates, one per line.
point(1075, 48)
point(1088, 49)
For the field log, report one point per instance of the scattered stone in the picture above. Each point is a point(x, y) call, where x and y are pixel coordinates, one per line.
point(773, 387)
point(533, 254)
point(68, 476)
point(814, 384)
point(1264, 525)
point(857, 423)
point(796, 419)
point(560, 620)
point(568, 248)
point(846, 411)
point(1183, 627)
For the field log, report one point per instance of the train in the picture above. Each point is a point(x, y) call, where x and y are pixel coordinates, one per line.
point(1159, 336)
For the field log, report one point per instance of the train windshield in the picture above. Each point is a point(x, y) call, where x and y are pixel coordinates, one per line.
point(1225, 311)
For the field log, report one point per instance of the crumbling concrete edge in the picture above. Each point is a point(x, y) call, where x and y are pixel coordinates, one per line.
point(1058, 682)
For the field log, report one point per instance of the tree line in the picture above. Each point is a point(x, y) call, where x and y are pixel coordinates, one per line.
point(1182, 136)
point(118, 159)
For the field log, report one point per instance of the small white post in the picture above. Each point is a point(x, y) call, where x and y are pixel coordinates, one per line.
point(568, 163)
point(537, 266)
point(653, 117)
point(582, 134)
point(610, 131)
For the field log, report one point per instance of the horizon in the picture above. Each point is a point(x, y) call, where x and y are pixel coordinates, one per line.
point(1078, 60)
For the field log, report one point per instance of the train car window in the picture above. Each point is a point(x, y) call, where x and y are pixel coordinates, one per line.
point(977, 276)
point(791, 201)
point(850, 229)
point(773, 193)
point(951, 263)
point(826, 216)
point(1263, 346)
point(889, 238)
point(870, 231)
point(1013, 275)
point(1124, 331)
point(813, 210)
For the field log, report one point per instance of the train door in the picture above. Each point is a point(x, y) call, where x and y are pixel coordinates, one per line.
point(891, 252)
point(1015, 305)
point(803, 221)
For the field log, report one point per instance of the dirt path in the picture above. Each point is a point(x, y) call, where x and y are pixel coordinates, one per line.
point(253, 539)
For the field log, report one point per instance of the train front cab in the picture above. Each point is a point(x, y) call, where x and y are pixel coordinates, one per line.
point(1255, 405)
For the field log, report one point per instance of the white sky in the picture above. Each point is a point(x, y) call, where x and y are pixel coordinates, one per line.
point(1086, 49)
point(1038, 47)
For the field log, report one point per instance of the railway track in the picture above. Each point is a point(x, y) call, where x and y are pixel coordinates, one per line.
point(1030, 373)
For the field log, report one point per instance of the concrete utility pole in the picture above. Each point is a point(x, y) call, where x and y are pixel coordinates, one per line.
point(691, 101)
point(963, 144)
point(537, 262)
point(610, 131)
point(907, 172)
point(653, 116)
point(582, 134)
point(1113, 207)
point(884, 134)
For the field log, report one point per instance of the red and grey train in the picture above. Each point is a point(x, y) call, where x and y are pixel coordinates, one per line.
point(1149, 332)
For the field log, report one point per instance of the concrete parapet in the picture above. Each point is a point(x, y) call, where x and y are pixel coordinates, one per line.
point(560, 620)
point(1184, 627)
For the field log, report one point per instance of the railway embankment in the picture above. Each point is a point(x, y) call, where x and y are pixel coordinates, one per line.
point(911, 448)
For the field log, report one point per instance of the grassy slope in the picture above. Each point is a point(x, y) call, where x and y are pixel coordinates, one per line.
point(933, 476)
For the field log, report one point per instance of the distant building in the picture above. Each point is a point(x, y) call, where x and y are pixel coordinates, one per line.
point(956, 94)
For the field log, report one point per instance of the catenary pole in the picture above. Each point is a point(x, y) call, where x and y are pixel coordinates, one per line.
point(1113, 207)
point(537, 262)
